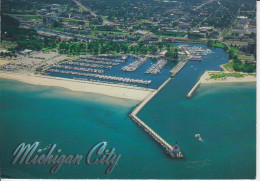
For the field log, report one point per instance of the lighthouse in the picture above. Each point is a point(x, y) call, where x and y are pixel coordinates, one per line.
point(176, 149)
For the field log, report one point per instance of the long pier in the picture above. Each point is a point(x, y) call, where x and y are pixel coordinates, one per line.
point(192, 91)
point(146, 128)
point(133, 115)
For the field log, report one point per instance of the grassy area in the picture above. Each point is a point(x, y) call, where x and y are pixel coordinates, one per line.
point(170, 34)
point(48, 49)
point(223, 75)
point(245, 57)
point(230, 30)
point(234, 49)
point(166, 36)
point(112, 32)
point(193, 41)
point(7, 42)
point(252, 74)
point(105, 18)
point(25, 11)
point(219, 45)
point(31, 17)
point(229, 66)
point(56, 29)
point(238, 43)
point(24, 16)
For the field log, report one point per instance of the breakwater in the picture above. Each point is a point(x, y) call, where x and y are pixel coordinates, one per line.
point(178, 67)
point(146, 128)
point(193, 90)
point(133, 115)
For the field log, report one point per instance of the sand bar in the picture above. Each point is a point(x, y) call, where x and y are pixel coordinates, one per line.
point(114, 90)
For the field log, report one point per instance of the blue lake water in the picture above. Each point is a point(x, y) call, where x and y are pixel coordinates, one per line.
point(224, 115)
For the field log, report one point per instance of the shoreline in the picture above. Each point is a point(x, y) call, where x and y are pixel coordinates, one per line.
point(113, 90)
point(205, 79)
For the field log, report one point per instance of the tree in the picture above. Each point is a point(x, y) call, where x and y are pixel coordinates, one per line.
point(153, 49)
point(56, 24)
point(173, 56)
point(124, 48)
point(160, 45)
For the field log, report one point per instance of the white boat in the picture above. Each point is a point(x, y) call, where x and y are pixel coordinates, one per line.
point(124, 57)
point(198, 137)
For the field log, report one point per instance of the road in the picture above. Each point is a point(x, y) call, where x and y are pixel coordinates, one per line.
point(63, 18)
point(85, 8)
point(105, 22)
point(199, 24)
point(200, 6)
point(226, 30)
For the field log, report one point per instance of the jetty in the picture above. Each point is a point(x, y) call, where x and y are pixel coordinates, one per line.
point(168, 148)
point(177, 68)
point(133, 115)
point(192, 91)
point(154, 135)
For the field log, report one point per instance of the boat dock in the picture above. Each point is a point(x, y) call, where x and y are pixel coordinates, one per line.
point(134, 65)
point(192, 91)
point(157, 67)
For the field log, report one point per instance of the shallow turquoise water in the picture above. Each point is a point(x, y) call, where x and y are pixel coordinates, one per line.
point(224, 115)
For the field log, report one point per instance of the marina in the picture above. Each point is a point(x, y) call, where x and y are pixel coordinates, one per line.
point(134, 65)
point(156, 68)
point(94, 65)
point(105, 77)
point(97, 61)
point(195, 53)
point(77, 69)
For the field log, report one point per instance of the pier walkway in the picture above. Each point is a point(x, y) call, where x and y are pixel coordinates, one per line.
point(137, 109)
point(157, 138)
point(178, 67)
point(196, 86)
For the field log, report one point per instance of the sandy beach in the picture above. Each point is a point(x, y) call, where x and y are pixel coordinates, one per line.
point(205, 78)
point(114, 90)
point(5, 61)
